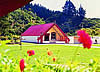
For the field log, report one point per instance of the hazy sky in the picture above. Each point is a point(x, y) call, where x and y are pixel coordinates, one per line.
point(92, 7)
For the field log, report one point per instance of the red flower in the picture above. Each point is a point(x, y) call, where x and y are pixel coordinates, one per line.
point(31, 52)
point(22, 65)
point(54, 59)
point(49, 52)
point(84, 38)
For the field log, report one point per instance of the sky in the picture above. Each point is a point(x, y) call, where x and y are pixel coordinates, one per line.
point(92, 7)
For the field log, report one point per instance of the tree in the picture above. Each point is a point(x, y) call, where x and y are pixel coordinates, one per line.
point(17, 22)
point(69, 8)
point(4, 24)
point(23, 17)
point(69, 20)
point(81, 12)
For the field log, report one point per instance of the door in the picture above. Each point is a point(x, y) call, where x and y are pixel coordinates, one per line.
point(46, 38)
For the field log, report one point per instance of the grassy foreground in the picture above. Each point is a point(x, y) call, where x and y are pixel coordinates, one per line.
point(64, 55)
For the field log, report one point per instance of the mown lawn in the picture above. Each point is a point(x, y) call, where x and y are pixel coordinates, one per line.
point(63, 54)
point(96, 45)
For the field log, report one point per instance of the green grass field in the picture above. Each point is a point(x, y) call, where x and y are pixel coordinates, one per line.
point(63, 53)
point(96, 45)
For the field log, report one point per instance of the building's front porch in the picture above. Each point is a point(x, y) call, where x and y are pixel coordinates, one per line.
point(54, 37)
point(54, 42)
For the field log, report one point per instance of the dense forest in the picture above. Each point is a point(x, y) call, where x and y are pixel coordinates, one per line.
point(69, 20)
point(17, 22)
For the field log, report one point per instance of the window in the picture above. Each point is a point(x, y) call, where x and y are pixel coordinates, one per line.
point(53, 36)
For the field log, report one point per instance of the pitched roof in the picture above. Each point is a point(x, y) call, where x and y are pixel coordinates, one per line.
point(37, 30)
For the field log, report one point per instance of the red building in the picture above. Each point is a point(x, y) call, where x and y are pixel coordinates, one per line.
point(45, 33)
